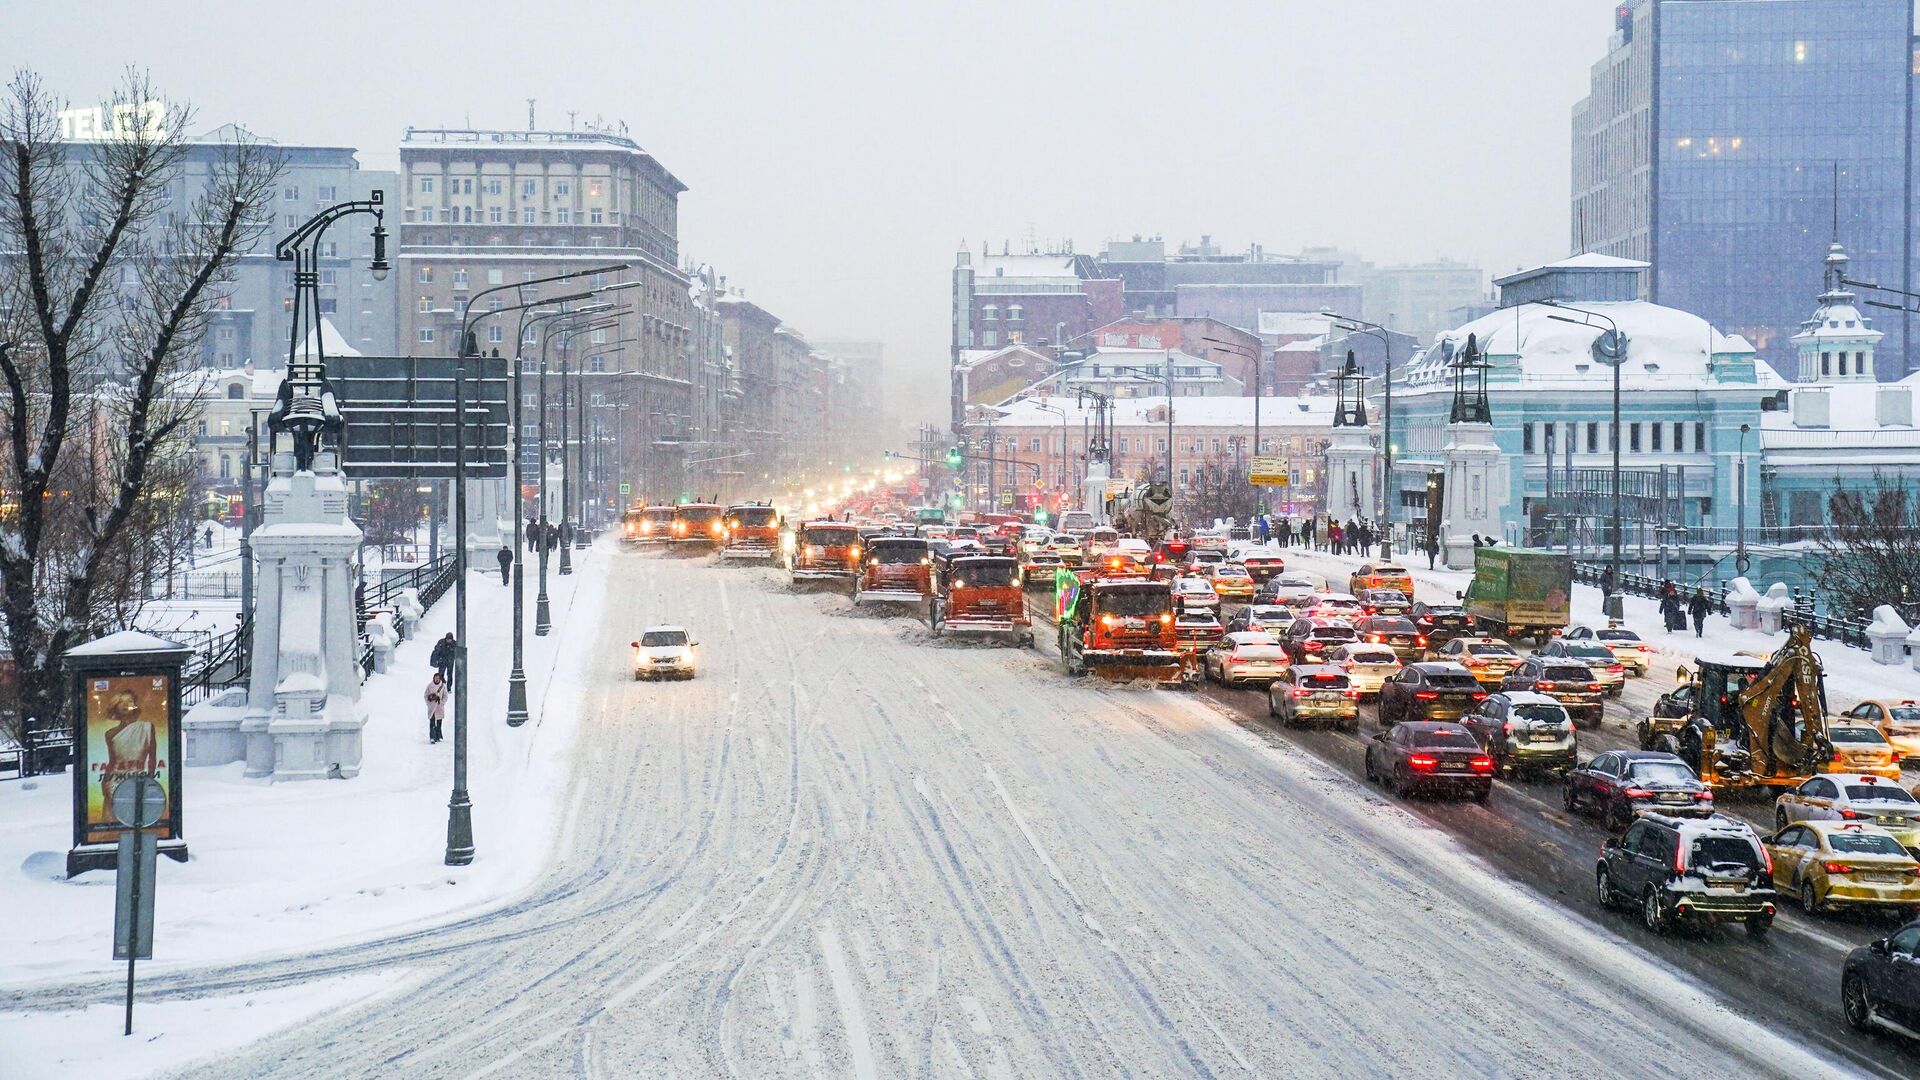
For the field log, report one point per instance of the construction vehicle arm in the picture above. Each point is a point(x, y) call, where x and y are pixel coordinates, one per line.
point(1790, 689)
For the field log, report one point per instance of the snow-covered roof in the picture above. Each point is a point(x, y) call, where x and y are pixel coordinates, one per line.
point(1668, 349)
point(1187, 412)
point(126, 641)
point(330, 342)
point(1852, 407)
point(1293, 324)
point(1024, 266)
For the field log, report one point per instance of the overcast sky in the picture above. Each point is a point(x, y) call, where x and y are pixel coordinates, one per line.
point(836, 153)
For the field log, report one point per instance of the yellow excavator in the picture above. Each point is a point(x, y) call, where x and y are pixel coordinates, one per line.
point(1758, 725)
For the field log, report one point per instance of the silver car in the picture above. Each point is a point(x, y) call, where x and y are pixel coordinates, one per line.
point(1367, 666)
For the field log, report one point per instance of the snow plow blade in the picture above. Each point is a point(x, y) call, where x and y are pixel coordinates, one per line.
point(1020, 633)
point(736, 552)
point(888, 596)
point(1161, 667)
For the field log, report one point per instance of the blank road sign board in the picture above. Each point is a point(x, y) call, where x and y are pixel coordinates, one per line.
point(399, 413)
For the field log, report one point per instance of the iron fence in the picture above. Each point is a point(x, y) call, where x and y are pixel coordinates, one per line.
point(1805, 606)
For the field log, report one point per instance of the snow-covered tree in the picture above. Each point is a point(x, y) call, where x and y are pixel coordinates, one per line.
point(106, 286)
point(1871, 554)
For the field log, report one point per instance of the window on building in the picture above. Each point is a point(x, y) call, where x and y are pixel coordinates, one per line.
point(1699, 436)
point(596, 216)
point(1859, 363)
point(1185, 478)
point(326, 193)
point(291, 193)
point(989, 313)
point(593, 189)
point(600, 337)
point(329, 250)
point(493, 185)
point(426, 304)
point(1593, 438)
point(527, 188)
point(989, 338)
point(426, 274)
point(235, 392)
point(495, 277)
point(425, 336)
point(1123, 444)
point(1160, 445)
point(426, 185)
point(1633, 438)
point(1033, 445)
point(562, 216)
point(1656, 430)
point(1826, 362)
point(226, 466)
point(1680, 437)
point(527, 215)
point(466, 186)
point(1526, 438)
point(496, 333)
point(495, 214)
point(597, 363)
point(460, 278)
point(1015, 313)
point(1216, 446)
point(329, 305)
point(494, 303)
point(561, 188)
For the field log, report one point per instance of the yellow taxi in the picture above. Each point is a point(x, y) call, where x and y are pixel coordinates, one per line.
point(1380, 576)
point(1860, 748)
point(1489, 659)
point(1897, 718)
point(1843, 864)
point(1231, 581)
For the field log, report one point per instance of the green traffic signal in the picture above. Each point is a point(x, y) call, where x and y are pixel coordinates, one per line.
point(954, 459)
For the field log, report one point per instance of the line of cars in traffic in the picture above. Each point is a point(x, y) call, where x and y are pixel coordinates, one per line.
point(1457, 709)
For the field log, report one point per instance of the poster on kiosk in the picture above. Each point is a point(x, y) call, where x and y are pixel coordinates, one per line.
point(126, 707)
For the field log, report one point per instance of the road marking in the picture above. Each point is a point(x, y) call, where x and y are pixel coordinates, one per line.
point(852, 1016)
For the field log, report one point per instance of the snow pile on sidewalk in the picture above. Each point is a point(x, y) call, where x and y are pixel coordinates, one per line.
point(1851, 673)
point(285, 868)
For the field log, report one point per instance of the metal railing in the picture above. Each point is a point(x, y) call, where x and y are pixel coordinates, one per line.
point(430, 579)
point(1833, 627)
point(225, 660)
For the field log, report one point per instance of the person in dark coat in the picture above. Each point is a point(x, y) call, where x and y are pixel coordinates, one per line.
point(1670, 615)
point(1433, 552)
point(442, 657)
point(506, 565)
point(1607, 582)
point(1697, 606)
point(533, 534)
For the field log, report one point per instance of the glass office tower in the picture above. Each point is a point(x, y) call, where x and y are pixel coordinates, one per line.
point(1716, 138)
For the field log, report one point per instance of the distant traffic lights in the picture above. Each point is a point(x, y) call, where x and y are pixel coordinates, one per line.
point(954, 458)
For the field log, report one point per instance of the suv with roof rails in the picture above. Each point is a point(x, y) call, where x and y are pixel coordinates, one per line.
point(1697, 872)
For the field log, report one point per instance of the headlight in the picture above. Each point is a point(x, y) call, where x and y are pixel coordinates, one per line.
point(854, 551)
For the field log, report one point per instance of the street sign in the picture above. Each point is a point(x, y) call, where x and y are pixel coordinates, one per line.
point(626, 488)
point(139, 802)
point(399, 413)
point(1270, 471)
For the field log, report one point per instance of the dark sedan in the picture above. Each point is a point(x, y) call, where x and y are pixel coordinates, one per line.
point(1880, 984)
point(1620, 784)
point(1311, 641)
point(1438, 757)
point(1385, 602)
point(1569, 682)
point(1441, 622)
point(1395, 632)
point(1434, 690)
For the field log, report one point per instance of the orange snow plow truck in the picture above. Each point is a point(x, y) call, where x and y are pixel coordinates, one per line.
point(753, 532)
point(897, 571)
point(825, 551)
point(1118, 624)
point(979, 594)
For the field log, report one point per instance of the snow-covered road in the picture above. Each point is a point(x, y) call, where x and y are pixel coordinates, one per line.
point(848, 850)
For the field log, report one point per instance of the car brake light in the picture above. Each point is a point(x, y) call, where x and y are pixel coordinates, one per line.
point(1545, 684)
point(1301, 691)
point(1679, 858)
point(1703, 796)
point(1849, 814)
point(1422, 762)
point(1426, 695)
point(1479, 695)
point(1420, 639)
point(1508, 726)
point(1838, 868)
point(1483, 764)
point(1593, 686)
point(1375, 638)
point(1616, 668)
point(1638, 793)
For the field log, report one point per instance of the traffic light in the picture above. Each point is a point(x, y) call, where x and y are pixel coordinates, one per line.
point(954, 458)
point(1040, 516)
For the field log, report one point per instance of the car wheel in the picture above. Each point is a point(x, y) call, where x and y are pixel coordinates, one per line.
point(1273, 711)
point(1568, 799)
point(1853, 1001)
point(1809, 902)
point(1650, 912)
point(1372, 777)
point(1779, 818)
point(1603, 890)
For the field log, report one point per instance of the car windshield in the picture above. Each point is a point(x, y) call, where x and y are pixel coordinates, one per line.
point(1270, 612)
point(1619, 637)
point(1391, 626)
point(1488, 648)
point(987, 571)
point(1372, 656)
point(1576, 674)
point(894, 554)
point(828, 536)
point(701, 514)
point(1589, 652)
point(1864, 843)
point(1451, 680)
point(1446, 737)
point(1659, 770)
point(1230, 571)
point(1877, 792)
point(1711, 850)
point(1333, 633)
point(1291, 582)
point(1856, 734)
point(657, 515)
point(1133, 602)
point(1323, 682)
point(662, 639)
point(755, 516)
point(1540, 714)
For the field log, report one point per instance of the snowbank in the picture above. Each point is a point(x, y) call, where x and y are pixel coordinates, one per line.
point(291, 867)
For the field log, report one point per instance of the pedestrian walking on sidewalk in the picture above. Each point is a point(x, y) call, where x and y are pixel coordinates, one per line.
point(506, 564)
point(436, 706)
point(1433, 552)
point(1670, 614)
point(1697, 606)
point(533, 534)
point(442, 658)
point(1607, 582)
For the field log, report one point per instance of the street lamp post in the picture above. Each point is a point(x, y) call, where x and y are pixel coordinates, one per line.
point(542, 607)
point(1387, 486)
point(1740, 507)
point(1613, 353)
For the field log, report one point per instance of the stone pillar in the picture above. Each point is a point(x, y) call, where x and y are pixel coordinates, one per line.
point(1476, 491)
point(1350, 455)
point(1887, 635)
point(303, 717)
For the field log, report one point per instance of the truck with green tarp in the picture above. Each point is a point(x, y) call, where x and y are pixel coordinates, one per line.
point(1520, 592)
